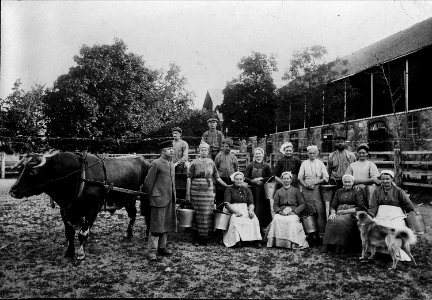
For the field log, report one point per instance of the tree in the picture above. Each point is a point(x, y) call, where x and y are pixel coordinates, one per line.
point(22, 111)
point(310, 96)
point(249, 100)
point(112, 93)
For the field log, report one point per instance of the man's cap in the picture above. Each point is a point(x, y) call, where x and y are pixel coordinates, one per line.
point(212, 119)
point(165, 144)
point(178, 129)
point(228, 141)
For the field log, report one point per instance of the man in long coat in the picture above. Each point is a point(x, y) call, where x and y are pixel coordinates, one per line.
point(160, 188)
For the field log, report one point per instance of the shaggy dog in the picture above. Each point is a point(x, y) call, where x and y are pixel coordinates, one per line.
point(374, 235)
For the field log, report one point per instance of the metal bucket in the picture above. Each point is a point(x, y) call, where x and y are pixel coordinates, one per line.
point(221, 219)
point(270, 189)
point(185, 215)
point(309, 222)
point(327, 192)
point(416, 223)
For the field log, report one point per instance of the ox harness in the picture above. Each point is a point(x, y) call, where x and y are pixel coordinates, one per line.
point(84, 166)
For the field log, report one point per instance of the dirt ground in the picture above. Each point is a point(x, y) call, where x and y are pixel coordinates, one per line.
point(32, 245)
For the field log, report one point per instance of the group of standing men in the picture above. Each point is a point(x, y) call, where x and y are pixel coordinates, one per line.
point(160, 181)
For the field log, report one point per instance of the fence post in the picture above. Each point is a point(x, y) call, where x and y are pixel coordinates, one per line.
point(3, 165)
point(397, 157)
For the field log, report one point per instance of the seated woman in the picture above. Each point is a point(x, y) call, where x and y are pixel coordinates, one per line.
point(243, 225)
point(388, 201)
point(386, 206)
point(341, 229)
point(286, 230)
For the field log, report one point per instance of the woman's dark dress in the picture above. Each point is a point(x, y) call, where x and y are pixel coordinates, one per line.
point(262, 205)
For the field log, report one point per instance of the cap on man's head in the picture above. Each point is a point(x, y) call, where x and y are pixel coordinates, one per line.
point(165, 144)
point(228, 141)
point(212, 120)
point(178, 129)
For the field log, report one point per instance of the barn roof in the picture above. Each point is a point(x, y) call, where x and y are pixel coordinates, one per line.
point(400, 44)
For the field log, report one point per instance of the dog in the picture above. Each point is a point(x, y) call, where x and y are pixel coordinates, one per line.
point(374, 235)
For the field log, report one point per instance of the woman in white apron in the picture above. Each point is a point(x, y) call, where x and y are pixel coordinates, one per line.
point(243, 225)
point(286, 230)
point(387, 204)
point(313, 173)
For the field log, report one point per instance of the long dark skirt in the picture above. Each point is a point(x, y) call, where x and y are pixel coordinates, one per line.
point(202, 197)
point(262, 205)
point(343, 231)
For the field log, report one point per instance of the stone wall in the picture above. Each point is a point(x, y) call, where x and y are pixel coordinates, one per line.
point(357, 132)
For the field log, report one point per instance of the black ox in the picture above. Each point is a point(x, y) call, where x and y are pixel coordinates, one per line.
point(82, 184)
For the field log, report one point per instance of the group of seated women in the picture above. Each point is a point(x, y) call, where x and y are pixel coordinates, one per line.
point(248, 216)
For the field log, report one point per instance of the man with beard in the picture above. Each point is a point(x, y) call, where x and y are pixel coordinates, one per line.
point(339, 161)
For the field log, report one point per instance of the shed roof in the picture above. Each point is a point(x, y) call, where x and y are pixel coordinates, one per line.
point(400, 44)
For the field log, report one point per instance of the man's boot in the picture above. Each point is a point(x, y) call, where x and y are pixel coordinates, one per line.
point(162, 248)
point(152, 247)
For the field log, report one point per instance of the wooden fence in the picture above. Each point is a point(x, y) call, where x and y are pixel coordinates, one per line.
point(7, 161)
point(243, 158)
point(416, 165)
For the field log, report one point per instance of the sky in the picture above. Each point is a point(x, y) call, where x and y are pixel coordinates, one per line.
point(206, 39)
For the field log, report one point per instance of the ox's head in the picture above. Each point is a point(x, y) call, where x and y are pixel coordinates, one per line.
point(33, 176)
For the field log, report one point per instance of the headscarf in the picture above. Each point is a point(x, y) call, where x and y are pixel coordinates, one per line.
point(348, 176)
point(363, 146)
point(284, 145)
point(235, 174)
point(286, 172)
point(259, 149)
point(312, 147)
point(388, 172)
point(204, 145)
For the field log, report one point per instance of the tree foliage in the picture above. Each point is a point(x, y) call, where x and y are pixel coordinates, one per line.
point(249, 100)
point(310, 97)
point(21, 111)
point(112, 93)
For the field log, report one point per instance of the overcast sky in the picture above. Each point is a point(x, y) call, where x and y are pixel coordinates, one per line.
point(206, 39)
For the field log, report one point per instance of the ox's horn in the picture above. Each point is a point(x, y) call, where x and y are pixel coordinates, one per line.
point(43, 161)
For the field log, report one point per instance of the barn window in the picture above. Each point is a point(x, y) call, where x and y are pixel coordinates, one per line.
point(412, 125)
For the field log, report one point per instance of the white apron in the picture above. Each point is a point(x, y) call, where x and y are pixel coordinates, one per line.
point(241, 228)
point(394, 217)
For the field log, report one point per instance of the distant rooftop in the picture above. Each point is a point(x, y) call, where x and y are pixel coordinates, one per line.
point(216, 97)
